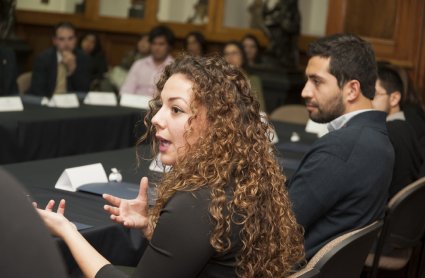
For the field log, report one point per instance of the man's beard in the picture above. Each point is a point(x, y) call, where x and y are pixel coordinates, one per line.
point(327, 113)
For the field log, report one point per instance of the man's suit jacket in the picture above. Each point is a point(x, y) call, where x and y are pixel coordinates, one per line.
point(45, 69)
point(8, 72)
point(342, 182)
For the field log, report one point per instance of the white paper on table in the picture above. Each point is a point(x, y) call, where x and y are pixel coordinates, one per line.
point(72, 178)
point(101, 98)
point(157, 166)
point(319, 129)
point(135, 101)
point(8, 104)
point(64, 101)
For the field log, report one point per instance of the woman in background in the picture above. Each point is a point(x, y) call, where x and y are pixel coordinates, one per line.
point(235, 55)
point(90, 44)
point(141, 50)
point(195, 44)
point(251, 46)
point(223, 209)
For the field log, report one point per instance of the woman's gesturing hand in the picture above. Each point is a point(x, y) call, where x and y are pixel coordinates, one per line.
point(130, 213)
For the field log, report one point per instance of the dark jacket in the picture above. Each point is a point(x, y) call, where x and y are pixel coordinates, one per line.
point(8, 72)
point(44, 73)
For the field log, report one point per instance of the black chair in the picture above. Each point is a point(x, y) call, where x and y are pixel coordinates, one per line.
point(343, 256)
point(402, 232)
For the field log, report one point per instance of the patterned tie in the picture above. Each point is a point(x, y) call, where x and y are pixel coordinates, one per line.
point(61, 79)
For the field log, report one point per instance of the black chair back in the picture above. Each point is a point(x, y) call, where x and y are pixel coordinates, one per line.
point(343, 256)
point(404, 223)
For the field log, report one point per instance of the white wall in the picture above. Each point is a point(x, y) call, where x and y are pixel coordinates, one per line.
point(236, 14)
point(176, 10)
point(314, 14)
point(115, 8)
point(63, 6)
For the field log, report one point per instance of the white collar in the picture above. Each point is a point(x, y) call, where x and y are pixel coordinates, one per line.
point(343, 119)
point(396, 116)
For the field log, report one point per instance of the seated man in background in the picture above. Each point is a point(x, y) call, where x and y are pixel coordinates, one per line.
point(8, 72)
point(408, 157)
point(61, 68)
point(145, 72)
point(342, 182)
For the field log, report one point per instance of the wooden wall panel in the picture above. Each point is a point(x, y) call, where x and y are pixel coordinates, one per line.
point(396, 36)
point(375, 19)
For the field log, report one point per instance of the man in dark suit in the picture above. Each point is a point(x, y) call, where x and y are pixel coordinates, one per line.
point(408, 154)
point(8, 72)
point(342, 182)
point(62, 68)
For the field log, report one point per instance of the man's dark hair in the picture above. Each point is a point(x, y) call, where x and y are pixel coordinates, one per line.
point(64, 24)
point(390, 79)
point(162, 31)
point(351, 58)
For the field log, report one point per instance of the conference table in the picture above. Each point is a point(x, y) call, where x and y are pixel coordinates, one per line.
point(120, 245)
point(41, 132)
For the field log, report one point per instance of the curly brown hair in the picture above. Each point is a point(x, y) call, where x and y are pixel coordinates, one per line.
point(233, 151)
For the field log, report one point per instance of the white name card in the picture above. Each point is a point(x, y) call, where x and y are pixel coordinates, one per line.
point(8, 104)
point(319, 129)
point(64, 101)
point(135, 101)
point(72, 178)
point(157, 166)
point(101, 98)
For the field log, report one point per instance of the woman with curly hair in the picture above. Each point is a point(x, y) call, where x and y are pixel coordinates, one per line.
point(222, 210)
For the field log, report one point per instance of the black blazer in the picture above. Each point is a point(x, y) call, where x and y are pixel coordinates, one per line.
point(27, 248)
point(44, 73)
point(8, 72)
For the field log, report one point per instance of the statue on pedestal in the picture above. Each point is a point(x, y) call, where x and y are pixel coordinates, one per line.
point(281, 24)
point(7, 18)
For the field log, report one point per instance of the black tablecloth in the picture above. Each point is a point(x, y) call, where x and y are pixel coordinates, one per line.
point(40, 132)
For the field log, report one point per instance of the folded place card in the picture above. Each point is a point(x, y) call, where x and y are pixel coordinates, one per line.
point(319, 129)
point(64, 101)
point(101, 98)
point(157, 166)
point(72, 178)
point(135, 101)
point(8, 104)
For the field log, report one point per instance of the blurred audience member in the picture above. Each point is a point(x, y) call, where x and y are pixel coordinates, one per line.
point(145, 72)
point(408, 158)
point(118, 74)
point(251, 46)
point(195, 44)
point(235, 55)
point(141, 50)
point(8, 72)
point(90, 44)
point(63, 67)
point(413, 107)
